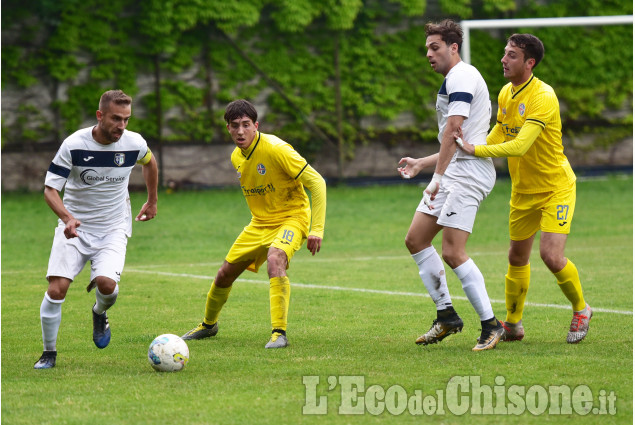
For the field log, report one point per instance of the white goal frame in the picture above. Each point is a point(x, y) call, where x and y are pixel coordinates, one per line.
point(536, 22)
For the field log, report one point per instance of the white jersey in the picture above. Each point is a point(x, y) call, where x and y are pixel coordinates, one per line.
point(464, 92)
point(96, 178)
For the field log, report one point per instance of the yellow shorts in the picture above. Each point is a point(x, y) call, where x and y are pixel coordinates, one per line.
point(254, 242)
point(546, 211)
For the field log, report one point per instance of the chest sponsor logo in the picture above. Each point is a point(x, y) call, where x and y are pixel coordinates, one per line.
point(261, 169)
point(91, 177)
point(521, 109)
point(258, 190)
point(120, 159)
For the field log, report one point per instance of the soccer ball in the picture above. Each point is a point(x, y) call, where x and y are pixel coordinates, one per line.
point(168, 353)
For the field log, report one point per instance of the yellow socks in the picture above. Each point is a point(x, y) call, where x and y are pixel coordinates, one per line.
point(216, 298)
point(569, 282)
point(279, 293)
point(516, 287)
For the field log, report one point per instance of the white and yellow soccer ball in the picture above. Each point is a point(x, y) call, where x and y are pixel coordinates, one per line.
point(168, 353)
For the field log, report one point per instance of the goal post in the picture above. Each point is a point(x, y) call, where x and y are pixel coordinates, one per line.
point(467, 25)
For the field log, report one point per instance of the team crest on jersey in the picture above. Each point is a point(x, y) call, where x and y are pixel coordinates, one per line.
point(504, 111)
point(521, 109)
point(120, 158)
point(261, 169)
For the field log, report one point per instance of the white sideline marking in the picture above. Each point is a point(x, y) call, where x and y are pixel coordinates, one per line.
point(372, 291)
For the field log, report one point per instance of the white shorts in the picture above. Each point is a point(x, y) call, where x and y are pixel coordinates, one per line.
point(465, 184)
point(106, 253)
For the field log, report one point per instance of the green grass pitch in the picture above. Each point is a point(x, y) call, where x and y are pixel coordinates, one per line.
point(356, 309)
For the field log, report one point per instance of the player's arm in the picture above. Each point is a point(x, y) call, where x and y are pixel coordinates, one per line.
point(150, 170)
point(494, 137)
point(496, 134)
point(410, 167)
point(313, 181)
point(54, 201)
point(448, 147)
point(514, 148)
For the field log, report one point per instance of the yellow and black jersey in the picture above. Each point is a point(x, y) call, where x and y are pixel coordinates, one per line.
point(528, 132)
point(271, 176)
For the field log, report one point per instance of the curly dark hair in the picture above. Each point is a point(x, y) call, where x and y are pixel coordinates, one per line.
point(450, 31)
point(531, 46)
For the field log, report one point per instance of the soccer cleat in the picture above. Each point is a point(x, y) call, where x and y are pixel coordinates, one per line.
point(46, 361)
point(277, 340)
point(101, 329)
point(490, 335)
point(201, 331)
point(579, 325)
point(441, 329)
point(513, 331)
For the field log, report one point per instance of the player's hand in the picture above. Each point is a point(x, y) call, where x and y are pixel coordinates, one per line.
point(313, 244)
point(408, 167)
point(463, 144)
point(431, 191)
point(70, 231)
point(148, 212)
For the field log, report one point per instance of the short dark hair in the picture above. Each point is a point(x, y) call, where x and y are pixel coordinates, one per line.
point(240, 108)
point(450, 31)
point(531, 46)
point(117, 97)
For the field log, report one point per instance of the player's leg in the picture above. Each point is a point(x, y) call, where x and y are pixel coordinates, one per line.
point(557, 215)
point(419, 238)
point(246, 253)
point(473, 284)
point(108, 257)
point(51, 318)
point(65, 262)
point(470, 183)
point(287, 241)
point(216, 298)
point(516, 288)
point(524, 222)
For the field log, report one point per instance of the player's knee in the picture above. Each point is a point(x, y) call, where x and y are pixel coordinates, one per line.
point(105, 285)
point(57, 288)
point(223, 278)
point(413, 244)
point(517, 259)
point(453, 258)
point(553, 260)
point(276, 262)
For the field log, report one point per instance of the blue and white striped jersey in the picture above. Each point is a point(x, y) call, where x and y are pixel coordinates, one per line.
point(464, 92)
point(95, 179)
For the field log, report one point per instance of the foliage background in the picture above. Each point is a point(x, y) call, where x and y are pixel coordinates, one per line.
point(329, 73)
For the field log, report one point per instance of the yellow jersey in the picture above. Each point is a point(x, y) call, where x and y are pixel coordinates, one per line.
point(271, 173)
point(528, 132)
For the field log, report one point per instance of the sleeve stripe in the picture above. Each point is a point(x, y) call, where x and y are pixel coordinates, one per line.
point(461, 97)
point(60, 171)
point(303, 168)
point(542, 124)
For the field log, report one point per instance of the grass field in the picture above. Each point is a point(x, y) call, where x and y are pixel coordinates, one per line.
point(356, 309)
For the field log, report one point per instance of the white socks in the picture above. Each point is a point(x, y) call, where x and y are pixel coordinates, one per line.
point(104, 302)
point(474, 288)
point(432, 274)
point(50, 317)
